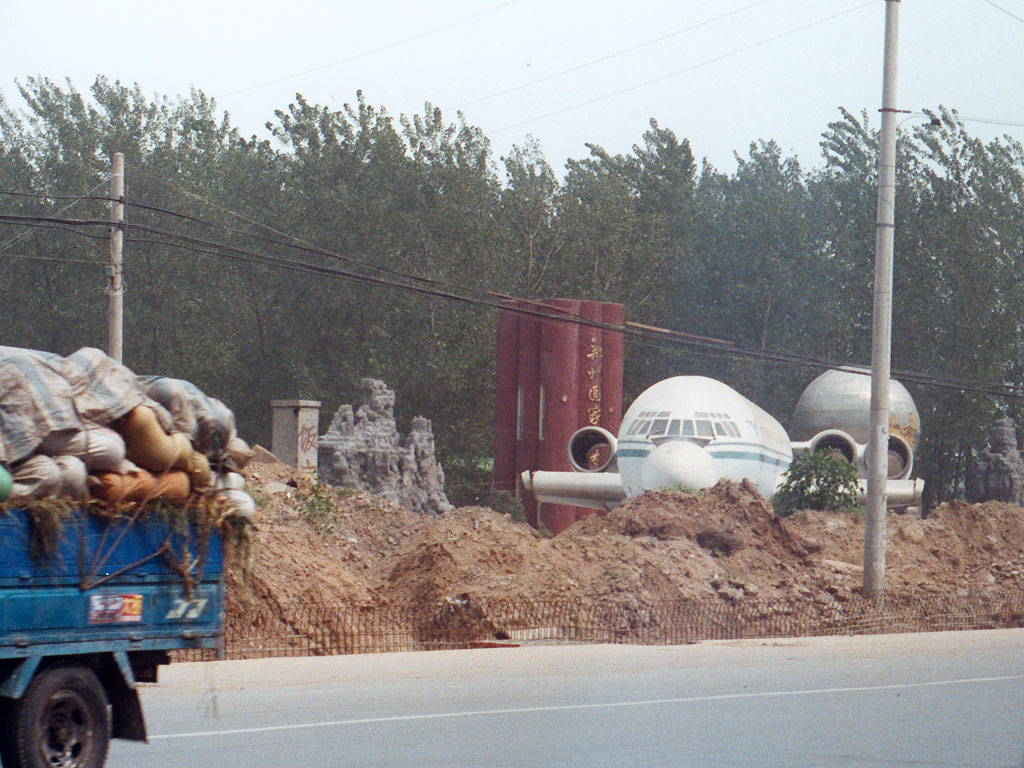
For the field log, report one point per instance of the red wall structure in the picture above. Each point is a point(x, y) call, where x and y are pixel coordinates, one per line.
point(554, 375)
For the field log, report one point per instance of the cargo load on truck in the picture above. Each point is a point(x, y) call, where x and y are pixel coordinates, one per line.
point(116, 491)
point(85, 426)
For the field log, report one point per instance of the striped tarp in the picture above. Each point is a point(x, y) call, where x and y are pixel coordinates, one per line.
point(42, 393)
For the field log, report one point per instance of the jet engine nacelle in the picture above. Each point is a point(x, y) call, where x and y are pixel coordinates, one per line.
point(841, 445)
point(592, 449)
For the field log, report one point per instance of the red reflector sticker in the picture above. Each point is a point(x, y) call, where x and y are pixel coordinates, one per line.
point(115, 609)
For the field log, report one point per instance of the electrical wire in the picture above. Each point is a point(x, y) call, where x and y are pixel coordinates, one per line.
point(608, 57)
point(57, 226)
point(11, 218)
point(300, 245)
point(241, 254)
point(692, 343)
point(960, 118)
point(45, 196)
point(380, 49)
point(989, 121)
point(1008, 13)
point(296, 242)
point(68, 259)
point(65, 209)
point(648, 334)
point(690, 68)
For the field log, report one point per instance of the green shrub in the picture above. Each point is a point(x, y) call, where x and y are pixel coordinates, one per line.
point(816, 481)
point(318, 503)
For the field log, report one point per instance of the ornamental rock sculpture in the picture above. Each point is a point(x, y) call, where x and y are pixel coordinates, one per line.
point(363, 451)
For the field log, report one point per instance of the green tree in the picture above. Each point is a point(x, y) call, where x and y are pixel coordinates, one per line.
point(816, 481)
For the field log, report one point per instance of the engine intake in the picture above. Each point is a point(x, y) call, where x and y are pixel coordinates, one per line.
point(592, 449)
point(900, 462)
point(840, 445)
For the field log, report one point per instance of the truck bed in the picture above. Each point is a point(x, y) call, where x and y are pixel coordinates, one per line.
point(111, 583)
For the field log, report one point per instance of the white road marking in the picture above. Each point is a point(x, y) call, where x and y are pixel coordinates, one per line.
point(602, 705)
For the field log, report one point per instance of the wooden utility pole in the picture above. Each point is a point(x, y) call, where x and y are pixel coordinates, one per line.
point(881, 336)
point(115, 270)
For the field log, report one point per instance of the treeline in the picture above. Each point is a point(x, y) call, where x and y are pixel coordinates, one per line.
point(773, 256)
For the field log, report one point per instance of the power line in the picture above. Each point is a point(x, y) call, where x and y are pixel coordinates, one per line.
point(58, 226)
point(1000, 8)
point(650, 335)
point(68, 259)
point(300, 245)
point(296, 242)
point(608, 56)
point(46, 196)
point(387, 47)
point(643, 333)
point(685, 69)
point(243, 254)
point(11, 218)
point(961, 119)
point(64, 209)
point(990, 121)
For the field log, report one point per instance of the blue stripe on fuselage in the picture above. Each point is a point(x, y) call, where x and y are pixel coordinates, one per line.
point(721, 450)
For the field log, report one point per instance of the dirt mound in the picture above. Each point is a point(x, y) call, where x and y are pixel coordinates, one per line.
point(318, 547)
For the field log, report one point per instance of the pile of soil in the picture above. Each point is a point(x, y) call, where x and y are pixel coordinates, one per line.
point(324, 548)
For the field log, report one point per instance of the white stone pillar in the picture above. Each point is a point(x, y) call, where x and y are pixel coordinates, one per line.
point(295, 432)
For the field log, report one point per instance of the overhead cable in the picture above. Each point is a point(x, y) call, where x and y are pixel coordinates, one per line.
point(49, 225)
point(1008, 13)
point(299, 245)
point(607, 57)
point(649, 334)
point(372, 51)
point(10, 218)
point(64, 209)
point(690, 68)
point(636, 331)
point(68, 259)
point(47, 196)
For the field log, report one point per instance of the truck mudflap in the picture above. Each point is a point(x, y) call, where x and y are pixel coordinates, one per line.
point(114, 671)
point(20, 676)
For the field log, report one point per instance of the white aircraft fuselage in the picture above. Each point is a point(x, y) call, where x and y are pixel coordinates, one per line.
point(689, 432)
point(701, 430)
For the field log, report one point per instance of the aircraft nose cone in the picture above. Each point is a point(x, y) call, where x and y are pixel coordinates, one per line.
point(678, 465)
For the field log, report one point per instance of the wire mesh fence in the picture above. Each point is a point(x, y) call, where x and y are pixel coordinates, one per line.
point(317, 630)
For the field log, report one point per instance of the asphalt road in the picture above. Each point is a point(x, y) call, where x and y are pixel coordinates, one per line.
point(941, 699)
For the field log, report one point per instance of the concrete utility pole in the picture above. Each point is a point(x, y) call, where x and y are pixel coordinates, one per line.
point(115, 271)
point(881, 338)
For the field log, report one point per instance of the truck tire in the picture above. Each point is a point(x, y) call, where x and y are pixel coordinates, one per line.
point(62, 721)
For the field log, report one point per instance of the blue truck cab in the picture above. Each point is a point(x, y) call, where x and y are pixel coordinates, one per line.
point(92, 603)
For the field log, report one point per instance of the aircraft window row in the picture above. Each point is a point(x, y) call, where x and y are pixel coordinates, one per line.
point(726, 429)
point(653, 414)
point(683, 428)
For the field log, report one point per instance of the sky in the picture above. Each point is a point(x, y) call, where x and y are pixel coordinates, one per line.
point(720, 74)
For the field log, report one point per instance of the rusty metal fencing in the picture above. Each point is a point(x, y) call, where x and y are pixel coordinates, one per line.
point(326, 630)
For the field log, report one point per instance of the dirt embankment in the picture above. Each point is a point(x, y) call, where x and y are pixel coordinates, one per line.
point(318, 550)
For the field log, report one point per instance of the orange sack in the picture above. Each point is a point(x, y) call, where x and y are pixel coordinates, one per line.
point(140, 485)
point(150, 447)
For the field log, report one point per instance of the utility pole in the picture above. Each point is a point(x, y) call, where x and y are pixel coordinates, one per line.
point(881, 337)
point(115, 270)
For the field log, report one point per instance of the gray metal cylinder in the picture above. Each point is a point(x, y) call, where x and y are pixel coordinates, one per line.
point(842, 400)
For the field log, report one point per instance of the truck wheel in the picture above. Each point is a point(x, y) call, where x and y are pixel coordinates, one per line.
point(62, 721)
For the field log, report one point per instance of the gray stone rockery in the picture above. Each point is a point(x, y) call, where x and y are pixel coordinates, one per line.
point(997, 474)
point(364, 451)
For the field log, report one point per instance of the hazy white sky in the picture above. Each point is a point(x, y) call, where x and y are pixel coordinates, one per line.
point(765, 70)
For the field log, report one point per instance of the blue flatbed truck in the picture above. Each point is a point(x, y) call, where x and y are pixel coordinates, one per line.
point(90, 605)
